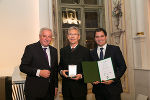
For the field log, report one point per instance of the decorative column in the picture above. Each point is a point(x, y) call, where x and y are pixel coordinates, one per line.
point(140, 17)
point(140, 44)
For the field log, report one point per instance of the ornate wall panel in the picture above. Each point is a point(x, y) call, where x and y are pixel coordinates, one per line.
point(116, 27)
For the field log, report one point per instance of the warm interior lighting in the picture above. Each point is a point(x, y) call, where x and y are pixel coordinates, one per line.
point(71, 17)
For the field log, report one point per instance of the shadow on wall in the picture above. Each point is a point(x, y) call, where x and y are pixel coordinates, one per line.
point(17, 75)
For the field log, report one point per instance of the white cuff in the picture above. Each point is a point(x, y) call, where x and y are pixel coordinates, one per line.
point(61, 72)
point(38, 73)
point(81, 76)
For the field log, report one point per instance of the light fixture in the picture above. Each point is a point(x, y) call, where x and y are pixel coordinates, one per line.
point(71, 17)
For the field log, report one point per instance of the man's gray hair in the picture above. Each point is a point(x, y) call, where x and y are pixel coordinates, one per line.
point(44, 28)
point(74, 28)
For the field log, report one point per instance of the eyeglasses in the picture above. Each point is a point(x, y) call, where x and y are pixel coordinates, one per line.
point(72, 34)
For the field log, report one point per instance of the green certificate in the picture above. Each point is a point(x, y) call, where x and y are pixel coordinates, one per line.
point(98, 70)
point(90, 71)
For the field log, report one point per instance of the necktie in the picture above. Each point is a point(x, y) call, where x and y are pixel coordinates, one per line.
point(72, 49)
point(101, 53)
point(44, 49)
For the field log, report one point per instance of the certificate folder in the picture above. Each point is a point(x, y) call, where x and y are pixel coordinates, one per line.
point(98, 70)
point(90, 71)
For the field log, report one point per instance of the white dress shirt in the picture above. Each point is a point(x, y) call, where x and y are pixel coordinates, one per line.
point(98, 50)
point(49, 59)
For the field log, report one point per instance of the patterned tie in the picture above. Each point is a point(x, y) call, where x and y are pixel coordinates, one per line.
point(44, 49)
point(101, 53)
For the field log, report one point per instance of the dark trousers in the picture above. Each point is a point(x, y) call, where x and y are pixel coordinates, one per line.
point(37, 98)
point(46, 97)
point(108, 97)
point(74, 98)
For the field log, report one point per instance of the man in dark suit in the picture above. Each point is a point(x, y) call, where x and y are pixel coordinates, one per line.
point(73, 88)
point(41, 68)
point(108, 89)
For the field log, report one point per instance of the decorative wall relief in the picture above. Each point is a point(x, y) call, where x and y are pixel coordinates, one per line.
point(117, 16)
point(117, 27)
point(117, 12)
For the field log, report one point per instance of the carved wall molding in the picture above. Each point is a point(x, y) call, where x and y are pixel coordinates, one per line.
point(116, 26)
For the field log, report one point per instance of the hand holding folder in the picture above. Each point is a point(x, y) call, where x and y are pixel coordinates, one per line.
point(98, 70)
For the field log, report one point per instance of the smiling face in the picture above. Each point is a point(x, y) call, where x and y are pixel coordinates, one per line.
point(73, 37)
point(45, 38)
point(100, 38)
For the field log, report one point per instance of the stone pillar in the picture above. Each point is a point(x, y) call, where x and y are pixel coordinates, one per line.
point(140, 16)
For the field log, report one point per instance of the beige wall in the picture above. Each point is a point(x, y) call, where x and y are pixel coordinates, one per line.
point(20, 21)
point(19, 26)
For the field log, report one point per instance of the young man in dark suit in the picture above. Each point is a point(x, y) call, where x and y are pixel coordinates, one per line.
point(73, 88)
point(41, 68)
point(108, 89)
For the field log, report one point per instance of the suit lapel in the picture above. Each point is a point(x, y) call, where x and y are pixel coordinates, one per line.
point(107, 52)
point(68, 50)
point(40, 50)
point(51, 55)
point(95, 54)
point(41, 53)
point(77, 50)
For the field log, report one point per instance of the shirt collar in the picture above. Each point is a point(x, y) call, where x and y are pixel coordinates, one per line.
point(104, 46)
point(45, 47)
point(74, 46)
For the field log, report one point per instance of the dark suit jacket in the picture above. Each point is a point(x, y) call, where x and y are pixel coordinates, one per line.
point(76, 88)
point(34, 59)
point(119, 68)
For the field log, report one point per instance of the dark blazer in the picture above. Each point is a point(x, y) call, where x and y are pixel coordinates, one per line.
point(76, 88)
point(119, 68)
point(33, 59)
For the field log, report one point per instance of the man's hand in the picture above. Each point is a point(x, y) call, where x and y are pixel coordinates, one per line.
point(108, 82)
point(63, 72)
point(77, 77)
point(96, 82)
point(56, 90)
point(45, 73)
